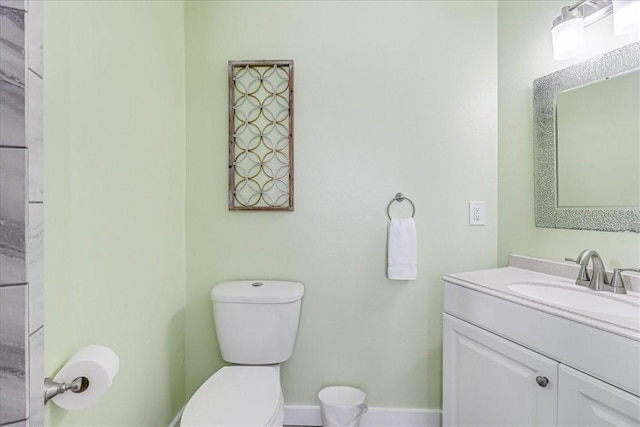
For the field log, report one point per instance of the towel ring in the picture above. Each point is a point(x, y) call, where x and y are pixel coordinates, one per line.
point(400, 198)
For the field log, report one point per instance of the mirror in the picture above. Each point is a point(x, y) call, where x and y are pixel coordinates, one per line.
point(598, 143)
point(587, 144)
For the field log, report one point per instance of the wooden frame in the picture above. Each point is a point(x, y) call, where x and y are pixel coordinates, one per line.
point(261, 135)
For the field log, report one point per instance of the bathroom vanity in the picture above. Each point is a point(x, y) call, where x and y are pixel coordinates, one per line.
point(523, 347)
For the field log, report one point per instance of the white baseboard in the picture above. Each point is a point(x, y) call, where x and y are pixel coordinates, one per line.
point(295, 415)
point(300, 415)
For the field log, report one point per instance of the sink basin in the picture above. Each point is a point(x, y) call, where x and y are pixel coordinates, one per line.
point(577, 299)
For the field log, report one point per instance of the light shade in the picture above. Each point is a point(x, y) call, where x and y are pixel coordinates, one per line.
point(568, 35)
point(626, 16)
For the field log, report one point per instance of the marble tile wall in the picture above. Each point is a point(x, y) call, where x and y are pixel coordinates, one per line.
point(13, 354)
point(14, 4)
point(13, 176)
point(12, 77)
point(35, 242)
point(21, 214)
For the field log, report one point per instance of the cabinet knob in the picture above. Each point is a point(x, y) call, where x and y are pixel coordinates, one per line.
point(542, 381)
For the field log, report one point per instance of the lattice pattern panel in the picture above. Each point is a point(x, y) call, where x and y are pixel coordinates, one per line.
point(261, 135)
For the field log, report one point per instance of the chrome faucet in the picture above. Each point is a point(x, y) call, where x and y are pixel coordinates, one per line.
point(598, 280)
point(616, 281)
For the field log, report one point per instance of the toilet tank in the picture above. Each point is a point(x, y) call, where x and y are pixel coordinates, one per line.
point(256, 320)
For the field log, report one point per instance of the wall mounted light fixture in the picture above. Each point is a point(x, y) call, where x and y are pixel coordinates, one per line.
point(567, 31)
point(626, 17)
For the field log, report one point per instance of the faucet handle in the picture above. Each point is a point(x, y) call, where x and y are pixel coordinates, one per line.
point(583, 278)
point(617, 283)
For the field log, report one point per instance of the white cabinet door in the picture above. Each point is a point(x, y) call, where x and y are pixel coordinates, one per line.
point(490, 381)
point(587, 401)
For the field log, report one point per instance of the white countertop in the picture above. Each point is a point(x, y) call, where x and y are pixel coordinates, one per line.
point(496, 282)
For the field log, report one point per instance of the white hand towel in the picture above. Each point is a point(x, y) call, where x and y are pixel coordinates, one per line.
point(403, 248)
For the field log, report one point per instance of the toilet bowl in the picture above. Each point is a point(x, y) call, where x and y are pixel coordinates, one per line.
point(256, 324)
point(237, 396)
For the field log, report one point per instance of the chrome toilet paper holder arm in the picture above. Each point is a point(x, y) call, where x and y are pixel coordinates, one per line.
point(53, 388)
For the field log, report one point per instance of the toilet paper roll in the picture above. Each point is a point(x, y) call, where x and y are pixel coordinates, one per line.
point(99, 365)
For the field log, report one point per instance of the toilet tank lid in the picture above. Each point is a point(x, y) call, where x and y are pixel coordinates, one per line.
point(258, 291)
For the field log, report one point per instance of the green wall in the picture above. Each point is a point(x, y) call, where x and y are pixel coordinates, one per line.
point(524, 54)
point(115, 191)
point(389, 97)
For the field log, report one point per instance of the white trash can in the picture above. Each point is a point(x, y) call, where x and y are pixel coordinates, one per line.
point(342, 406)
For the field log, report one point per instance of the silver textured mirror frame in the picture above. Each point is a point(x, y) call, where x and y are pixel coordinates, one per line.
point(545, 89)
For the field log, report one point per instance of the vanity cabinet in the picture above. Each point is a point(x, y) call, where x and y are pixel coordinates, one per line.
point(587, 401)
point(508, 364)
point(490, 381)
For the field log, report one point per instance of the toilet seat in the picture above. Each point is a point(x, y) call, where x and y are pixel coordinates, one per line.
point(237, 396)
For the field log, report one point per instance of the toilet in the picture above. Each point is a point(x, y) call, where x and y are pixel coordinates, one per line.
point(256, 323)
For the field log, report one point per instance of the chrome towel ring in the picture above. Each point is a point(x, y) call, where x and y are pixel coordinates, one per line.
point(400, 198)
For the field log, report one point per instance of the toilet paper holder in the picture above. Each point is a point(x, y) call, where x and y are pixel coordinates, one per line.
point(53, 388)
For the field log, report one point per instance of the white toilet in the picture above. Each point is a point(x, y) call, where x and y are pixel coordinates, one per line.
point(256, 323)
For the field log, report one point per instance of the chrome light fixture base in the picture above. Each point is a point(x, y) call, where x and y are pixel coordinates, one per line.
point(568, 28)
point(593, 10)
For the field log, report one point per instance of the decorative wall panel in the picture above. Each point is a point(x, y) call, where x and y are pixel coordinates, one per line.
point(261, 135)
